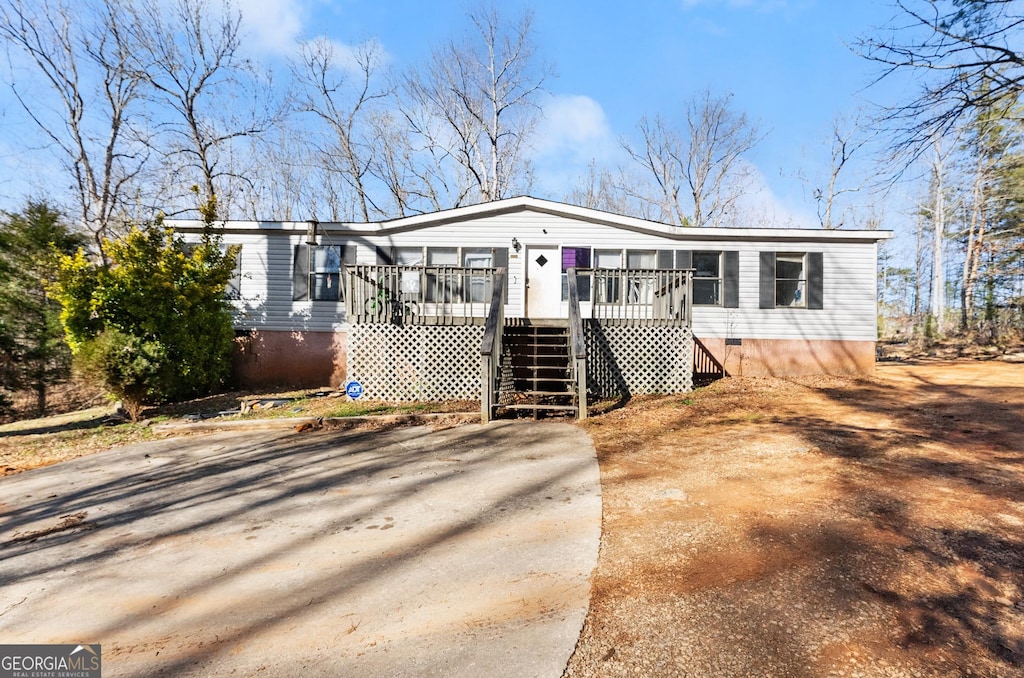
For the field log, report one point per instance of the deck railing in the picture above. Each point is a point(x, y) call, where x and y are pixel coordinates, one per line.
point(418, 295)
point(491, 349)
point(662, 296)
point(449, 295)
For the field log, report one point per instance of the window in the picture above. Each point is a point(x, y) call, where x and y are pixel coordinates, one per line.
point(234, 289)
point(608, 287)
point(641, 259)
point(325, 273)
point(441, 286)
point(316, 271)
point(640, 287)
point(442, 256)
point(409, 256)
point(707, 278)
point(792, 280)
point(576, 257)
point(479, 287)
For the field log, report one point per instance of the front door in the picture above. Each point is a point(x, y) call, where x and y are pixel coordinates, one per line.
point(543, 283)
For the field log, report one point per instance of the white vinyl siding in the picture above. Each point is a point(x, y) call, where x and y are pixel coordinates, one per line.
point(849, 288)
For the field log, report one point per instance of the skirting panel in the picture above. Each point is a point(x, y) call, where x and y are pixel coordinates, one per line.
point(624, 359)
point(416, 362)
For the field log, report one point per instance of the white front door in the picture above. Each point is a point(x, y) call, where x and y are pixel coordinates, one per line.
point(543, 282)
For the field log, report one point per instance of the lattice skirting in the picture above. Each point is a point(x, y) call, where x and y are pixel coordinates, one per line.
point(416, 362)
point(625, 359)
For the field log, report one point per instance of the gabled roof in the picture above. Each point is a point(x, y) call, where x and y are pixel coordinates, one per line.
point(531, 204)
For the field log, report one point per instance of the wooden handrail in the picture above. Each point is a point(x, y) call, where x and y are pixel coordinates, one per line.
point(495, 316)
point(577, 345)
point(490, 346)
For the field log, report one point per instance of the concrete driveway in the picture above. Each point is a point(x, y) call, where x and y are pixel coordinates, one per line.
point(462, 552)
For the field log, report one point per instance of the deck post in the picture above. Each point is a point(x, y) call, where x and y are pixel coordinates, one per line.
point(486, 388)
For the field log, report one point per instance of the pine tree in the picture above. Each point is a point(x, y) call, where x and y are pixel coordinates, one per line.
point(33, 353)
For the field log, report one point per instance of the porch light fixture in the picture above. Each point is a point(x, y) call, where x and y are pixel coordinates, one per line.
point(515, 245)
point(311, 232)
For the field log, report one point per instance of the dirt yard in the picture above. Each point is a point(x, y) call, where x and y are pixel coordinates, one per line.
point(814, 527)
point(805, 527)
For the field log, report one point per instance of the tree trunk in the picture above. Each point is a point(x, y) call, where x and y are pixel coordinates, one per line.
point(938, 301)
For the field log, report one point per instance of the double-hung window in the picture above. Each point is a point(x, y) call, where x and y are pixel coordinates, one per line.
point(442, 285)
point(316, 272)
point(790, 280)
point(608, 288)
point(479, 285)
point(640, 286)
point(410, 282)
point(707, 278)
point(325, 273)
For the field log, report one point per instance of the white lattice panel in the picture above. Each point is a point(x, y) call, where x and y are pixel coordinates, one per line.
point(416, 362)
point(624, 359)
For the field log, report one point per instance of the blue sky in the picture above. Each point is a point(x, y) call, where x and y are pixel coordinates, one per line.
point(787, 63)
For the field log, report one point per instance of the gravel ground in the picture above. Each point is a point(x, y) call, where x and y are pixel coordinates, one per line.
point(814, 527)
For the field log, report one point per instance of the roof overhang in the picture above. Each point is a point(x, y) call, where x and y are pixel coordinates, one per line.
point(529, 204)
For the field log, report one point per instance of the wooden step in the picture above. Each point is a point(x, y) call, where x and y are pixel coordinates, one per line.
point(562, 408)
point(533, 346)
point(543, 394)
point(535, 370)
point(527, 379)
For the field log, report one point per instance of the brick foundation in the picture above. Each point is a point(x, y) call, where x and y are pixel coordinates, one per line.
point(794, 357)
point(289, 359)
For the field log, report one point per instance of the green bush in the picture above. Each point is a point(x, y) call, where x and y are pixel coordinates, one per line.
point(153, 324)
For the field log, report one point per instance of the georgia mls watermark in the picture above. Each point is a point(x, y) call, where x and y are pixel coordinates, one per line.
point(50, 661)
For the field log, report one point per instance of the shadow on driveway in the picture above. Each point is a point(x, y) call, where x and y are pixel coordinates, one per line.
point(459, 552)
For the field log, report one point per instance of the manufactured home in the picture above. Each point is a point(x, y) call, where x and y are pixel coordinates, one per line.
point(522, 301)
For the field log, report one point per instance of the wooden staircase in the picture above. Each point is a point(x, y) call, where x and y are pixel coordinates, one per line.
point(541, 370)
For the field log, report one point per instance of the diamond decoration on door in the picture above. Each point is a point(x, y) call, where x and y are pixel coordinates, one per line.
point(541, 260)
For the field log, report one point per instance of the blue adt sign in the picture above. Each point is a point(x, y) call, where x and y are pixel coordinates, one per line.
point(354, 389)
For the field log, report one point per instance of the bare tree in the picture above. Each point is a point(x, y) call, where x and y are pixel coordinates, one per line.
point(414, 169)
point(937, 306)
point(619, 192)
point(844, 143)
point(81, 51)
point(189, 57)
point(665, 157)
point(285, 176)
point(342, 96)
point(696, 169)
point(473, 107)
point(965, 52)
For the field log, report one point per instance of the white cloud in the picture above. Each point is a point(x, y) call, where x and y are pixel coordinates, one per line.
point(279, 26)
point(760, 207)
point(573, 124)
point(274, 25)
point(573, 131)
